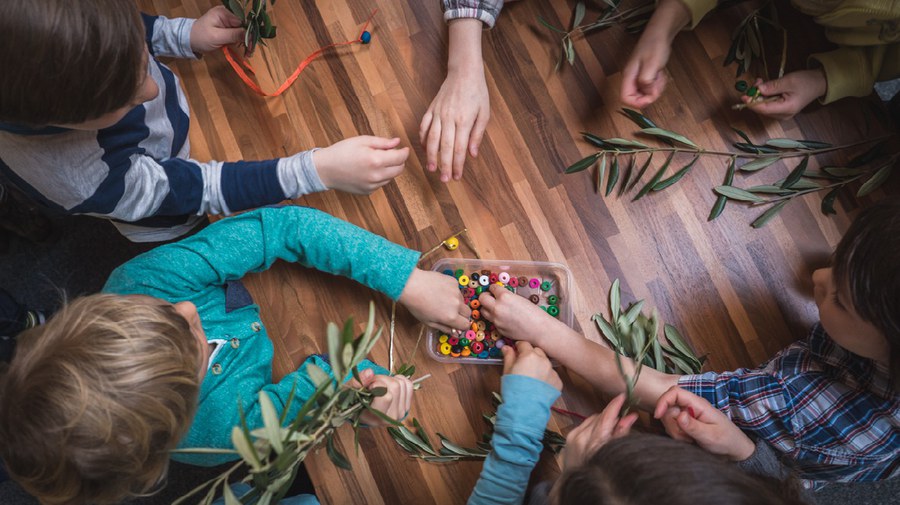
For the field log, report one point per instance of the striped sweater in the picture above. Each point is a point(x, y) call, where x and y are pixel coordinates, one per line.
point(138, 172)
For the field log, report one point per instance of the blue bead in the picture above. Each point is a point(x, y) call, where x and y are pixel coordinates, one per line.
point(365, 38)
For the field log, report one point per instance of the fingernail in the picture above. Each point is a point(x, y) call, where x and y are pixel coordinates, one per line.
point(445, 178)
point(691, 412)
point(431, 167)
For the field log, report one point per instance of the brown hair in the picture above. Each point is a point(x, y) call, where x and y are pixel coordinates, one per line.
point(66, 62)
point(95, 399)
point(867, 260)
point(642, 469)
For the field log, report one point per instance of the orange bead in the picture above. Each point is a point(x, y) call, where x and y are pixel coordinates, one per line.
point(475, 304)
point(476, 314)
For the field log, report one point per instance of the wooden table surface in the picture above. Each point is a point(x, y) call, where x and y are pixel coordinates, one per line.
point(737, 293)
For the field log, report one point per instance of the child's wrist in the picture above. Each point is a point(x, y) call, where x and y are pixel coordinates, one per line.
point(464, 53)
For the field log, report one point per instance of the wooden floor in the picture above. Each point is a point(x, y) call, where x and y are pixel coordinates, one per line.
point(739, 294)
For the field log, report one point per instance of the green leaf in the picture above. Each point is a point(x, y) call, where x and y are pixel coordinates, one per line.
point(270, 422)
point(665, 183)
point(656, 178)
point(455, 449)
point(608, 332)
point(420, 431)
point(613, 175)
point(637, 118)
point(843, 171)
point(769, 189)
point(334, 455)
point(804, 184)
point(796, 174)
point(579, 15)
point(641, 172)
point(228, 494)
point(815, 144)
point(785, 144)
point(870, 155)
point(601, 171)
point(658, 363)
point(719, 206)
point(682, 367)
point(626, 143)
point(769, 214)
point(615, 305)
point(287, 404)
point(244, 447)
point(876, 180)
point(582, 164)
point(628, 173)
point(659, 132)
point(742, 135)
point(548, 25)
point(753, 148)
point(318, 376)
point(384, 417)
point(738, 194)
point(633, 310)
point(759, 163)
point(828, 201)
point(334, 346)
point(570, 51)
point(416, 440)
point(594, 140)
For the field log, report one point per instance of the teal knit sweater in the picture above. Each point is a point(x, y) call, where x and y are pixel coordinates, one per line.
point(196, 270)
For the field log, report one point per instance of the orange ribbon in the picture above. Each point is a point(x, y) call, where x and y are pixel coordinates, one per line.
point(239, 64)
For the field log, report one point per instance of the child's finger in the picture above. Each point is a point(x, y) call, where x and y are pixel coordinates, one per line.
point(376, 142)
point(448, 136)
point(434, 141)
point(498, 291)
point(509, 358)
point(623, 427)
point(488, 303)
point(425, 125)
point(481, 123)
point(610, 416)
point(523, 347)
point(460, 147)
point(366, 376)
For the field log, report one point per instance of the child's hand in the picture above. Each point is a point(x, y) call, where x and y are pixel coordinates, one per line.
point(360, 165)
point(457, 117)
point(691, 418)
point(530, 362)
point(791, 93)
point(595, 431)
point(644, 76)
point(217, 28)
point(394, 404)
point(515, 316)
point(434, 299)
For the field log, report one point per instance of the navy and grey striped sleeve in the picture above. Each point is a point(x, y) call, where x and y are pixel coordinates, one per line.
point(484, 10)
point(169, 37)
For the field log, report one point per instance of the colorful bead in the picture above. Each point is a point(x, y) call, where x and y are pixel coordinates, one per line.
point(523, 281)
point(481, 325)
point(494, 352)
point(514, 282)
point(494, 278)
point(465, 352)
point(445, 348)
point(479, 336)
point(499, 344)
point(458, 273)
point(464, 342)
point(534, 299)
point(365, 38)
point(474, 284)
point(453, 340)
point(511, 289)
point(456, 348)
point(463, 280)
point(443, 339)
point(534, 283)
point(454, 354)
point(477, 347)
point(473, 326)
point(483, 354)
point(451, 243)
point(553, 310)
point(741, 86)
point(448, 272)
point(553, 300)
point(484, 280)
point(546, 285)
point(470, 335)
point(503, 277)
point(469, 293)
point(479, 290)
point(475, 304)
point(476, 314)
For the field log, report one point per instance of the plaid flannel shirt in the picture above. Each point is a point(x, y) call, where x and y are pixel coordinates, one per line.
point(832, 415)
point(484, 10)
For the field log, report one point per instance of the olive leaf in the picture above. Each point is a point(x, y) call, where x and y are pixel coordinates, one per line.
point(659, 132)
point(759, 164)
point(767, 216)
point(876, 180)
point(613, 175)
point(721, 200)
point(737, 194)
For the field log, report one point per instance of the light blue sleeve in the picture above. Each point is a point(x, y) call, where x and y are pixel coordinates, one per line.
point(517, 441)
point(251, 242)
point(240, 489)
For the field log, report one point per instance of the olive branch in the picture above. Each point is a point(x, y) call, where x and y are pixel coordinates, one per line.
point(633, 19)
point(874, 165)
point(273, 453)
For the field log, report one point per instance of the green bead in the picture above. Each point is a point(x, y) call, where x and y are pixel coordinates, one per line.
point(741, 86)
point(464, 342)
point(545, 286)
point(553, 299)
point(479, 290)
point(511, 288)
point(553, 310)
point(753, 92)
point(458, 273)
point(544, 308)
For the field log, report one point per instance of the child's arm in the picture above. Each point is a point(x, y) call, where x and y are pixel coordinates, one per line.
point(187, 38)
point(529, 388)
point(251, 242)
point(520, 319)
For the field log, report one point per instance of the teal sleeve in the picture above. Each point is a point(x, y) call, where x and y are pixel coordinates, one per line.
point(251, 242)
point(517, 442)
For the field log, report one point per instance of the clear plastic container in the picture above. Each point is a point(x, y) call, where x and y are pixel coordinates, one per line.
point(558, 275)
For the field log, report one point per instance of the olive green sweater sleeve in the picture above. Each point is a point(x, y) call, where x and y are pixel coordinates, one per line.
point(852, 71)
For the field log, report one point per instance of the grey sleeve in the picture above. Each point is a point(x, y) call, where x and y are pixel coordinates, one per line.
point(765, 463)
point(172, 37)
point(484, 10)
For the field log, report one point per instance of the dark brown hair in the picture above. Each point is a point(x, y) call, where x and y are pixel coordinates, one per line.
point(95, 399)
point(867, 260)
point(66, 62)
point(642, 469)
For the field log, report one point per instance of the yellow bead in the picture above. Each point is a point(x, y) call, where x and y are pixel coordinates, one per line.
point(443, 339)
point(463, 280)
point(451, 243)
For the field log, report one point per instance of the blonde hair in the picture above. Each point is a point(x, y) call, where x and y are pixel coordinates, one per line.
point(95, 399)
